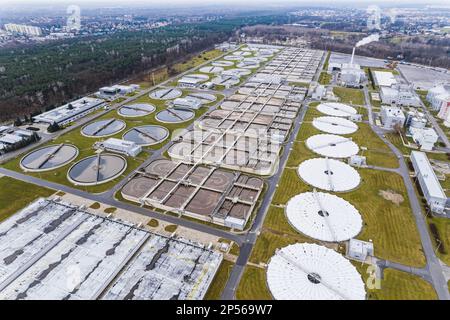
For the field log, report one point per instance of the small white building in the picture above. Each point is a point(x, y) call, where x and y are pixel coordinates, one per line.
point(359, 250)
point(439, 96)
point(187, 103)
point(429, 183)
point(426, 138)
point(391, 117)
point(116, 91)
point(401, 95)
point(125, 147)
point(319, 92)
point(357, 161)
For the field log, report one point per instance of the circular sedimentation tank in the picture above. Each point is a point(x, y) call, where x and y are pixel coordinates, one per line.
point(335, 125)
point(49, 158)
point(222, 63)
point(324, 216)
point(147, 135)
point(136, 110)
point(329, 174)
point(211, 69)
point(166, 94)
point(103, 128)
point(233, 58)
point(204, 98)
point(332, 146)
point(175, 115)
point(97, 169)
point(306, 271)
point(336, 109)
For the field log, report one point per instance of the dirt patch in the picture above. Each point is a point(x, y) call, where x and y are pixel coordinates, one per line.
point(392, 196)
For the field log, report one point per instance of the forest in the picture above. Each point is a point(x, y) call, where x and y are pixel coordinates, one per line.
point(38, 77)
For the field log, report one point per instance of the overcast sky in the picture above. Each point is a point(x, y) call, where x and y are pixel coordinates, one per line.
point(190, 2)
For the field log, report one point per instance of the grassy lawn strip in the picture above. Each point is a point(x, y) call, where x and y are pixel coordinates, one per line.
point(398, 285)
point(325, 78)
point(442, 242)
point(16, 194)
point(220, 280)
point(348, 95)
point(253, 285)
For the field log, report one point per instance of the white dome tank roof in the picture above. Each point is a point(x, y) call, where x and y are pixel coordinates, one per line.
point(336, 109)
point(335, 125)
point(312, 272)
point(329, 174)
point(324, 216)
point(333, 146)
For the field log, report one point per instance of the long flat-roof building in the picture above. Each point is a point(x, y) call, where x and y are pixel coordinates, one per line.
point(70, 112)
point(431, 188)
point(23, 29)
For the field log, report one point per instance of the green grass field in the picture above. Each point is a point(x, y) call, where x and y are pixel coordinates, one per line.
point(398, 285)
point(220, 280)
point(253, 285)
point(15, 194)
point(348, 95)
point(325, 78)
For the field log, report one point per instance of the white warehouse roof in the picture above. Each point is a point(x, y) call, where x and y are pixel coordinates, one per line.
point(384, 78)
point(427, 172)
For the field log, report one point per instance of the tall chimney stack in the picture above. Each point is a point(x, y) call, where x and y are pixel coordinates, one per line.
point(353, 55)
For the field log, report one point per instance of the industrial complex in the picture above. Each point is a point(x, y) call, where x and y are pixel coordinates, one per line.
point(250, 160)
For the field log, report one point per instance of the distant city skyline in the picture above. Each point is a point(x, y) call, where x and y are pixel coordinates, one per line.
point(214, 2)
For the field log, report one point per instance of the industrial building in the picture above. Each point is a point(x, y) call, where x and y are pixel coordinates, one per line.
point(384, 78)
point(70, 112)
point(400, 95)
point(23, 29)
point(116, 91)
point(192, 80)
point(439, 97)
point(125, 147)
point(359, 250)
point(187, 103)
point(351, 75)
point(431, 188)
point(426, 138)
point(12, 138)
point(53, 250)
point(392, 117)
